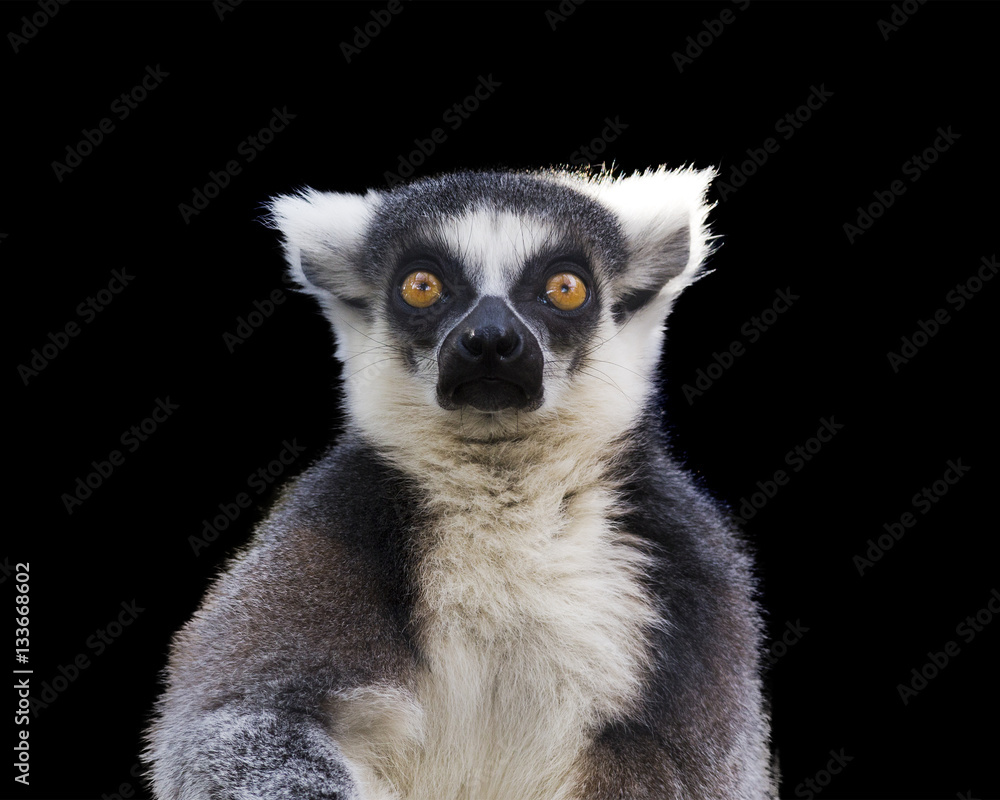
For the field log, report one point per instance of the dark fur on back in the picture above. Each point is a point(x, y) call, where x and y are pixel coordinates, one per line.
point(703, 704)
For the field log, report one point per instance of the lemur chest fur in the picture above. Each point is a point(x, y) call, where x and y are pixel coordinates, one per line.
point(533, 624)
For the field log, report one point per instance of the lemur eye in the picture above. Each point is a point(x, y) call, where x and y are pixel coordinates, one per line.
point(421, 289)
point(566, 291)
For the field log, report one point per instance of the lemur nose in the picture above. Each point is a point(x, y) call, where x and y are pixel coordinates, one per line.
point(490, 361)
point(489, 343)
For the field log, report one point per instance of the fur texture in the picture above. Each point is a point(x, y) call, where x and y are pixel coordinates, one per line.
point(530, 602)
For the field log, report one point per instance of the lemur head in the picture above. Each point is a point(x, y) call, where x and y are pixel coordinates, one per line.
point(482, 305)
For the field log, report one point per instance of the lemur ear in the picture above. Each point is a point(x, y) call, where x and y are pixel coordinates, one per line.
point(323, 232)
point(663, 216)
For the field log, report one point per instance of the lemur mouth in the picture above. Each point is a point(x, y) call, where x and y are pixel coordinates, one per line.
point(490, 394)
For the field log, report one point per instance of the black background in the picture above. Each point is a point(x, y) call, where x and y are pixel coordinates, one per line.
point(836, 687)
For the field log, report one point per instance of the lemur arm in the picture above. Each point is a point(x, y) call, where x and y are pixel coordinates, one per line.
point(243, 715)
point(245, 750)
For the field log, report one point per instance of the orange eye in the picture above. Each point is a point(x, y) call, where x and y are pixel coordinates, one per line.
point(566, 291)
point(421, 289)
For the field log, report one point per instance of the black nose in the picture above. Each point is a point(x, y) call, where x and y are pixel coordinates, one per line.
point(490, 361)
point(490, 344)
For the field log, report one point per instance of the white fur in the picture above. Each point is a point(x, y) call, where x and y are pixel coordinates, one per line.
point(534, 623)
point(652, 204)
point(493, 246)
point(325, 230)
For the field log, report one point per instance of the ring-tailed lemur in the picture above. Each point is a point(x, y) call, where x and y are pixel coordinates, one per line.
point(497, 585)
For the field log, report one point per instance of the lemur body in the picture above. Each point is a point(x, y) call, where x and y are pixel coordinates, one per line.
point(497, 585)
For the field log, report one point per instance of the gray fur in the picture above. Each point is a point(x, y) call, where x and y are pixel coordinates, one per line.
point(531, 601)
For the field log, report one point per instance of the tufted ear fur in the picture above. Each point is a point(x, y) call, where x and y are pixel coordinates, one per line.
point(323, 232)
point(663, 216)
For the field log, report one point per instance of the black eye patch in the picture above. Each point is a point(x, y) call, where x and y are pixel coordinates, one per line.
point(566, 329)
point(422, 326)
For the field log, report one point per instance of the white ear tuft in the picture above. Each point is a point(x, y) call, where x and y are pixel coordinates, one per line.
point(663, 215)
point(323, 232)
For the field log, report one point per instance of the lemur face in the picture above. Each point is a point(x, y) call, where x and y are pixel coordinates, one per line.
point(499, 301)
point(502, 298)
